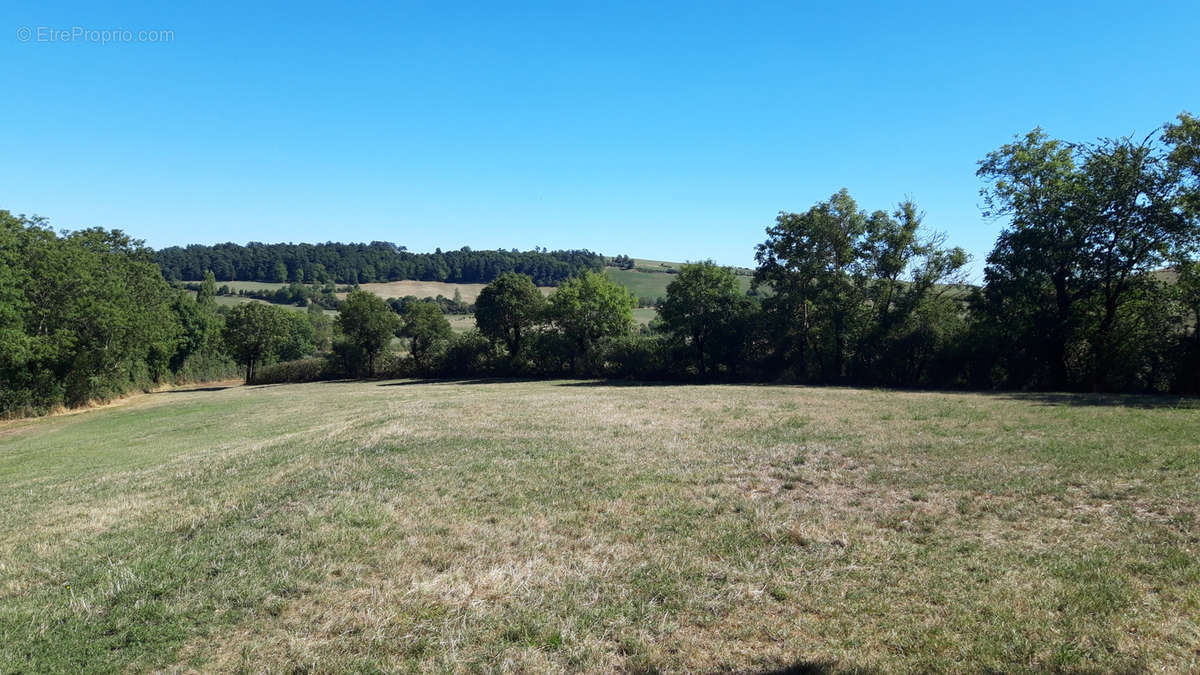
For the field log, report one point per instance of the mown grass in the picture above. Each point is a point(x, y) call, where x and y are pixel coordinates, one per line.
point(576, 526)
point(235, 300)
point(653, 285)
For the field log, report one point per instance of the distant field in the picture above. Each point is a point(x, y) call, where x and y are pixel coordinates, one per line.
point(391, 289)
point(234, 300)
point(647, 265)
point(429, 289)
point(652, 284)
point(642, 283)
point(250, 285)
point(461, 323)
point(581, 526)
point(644, 315)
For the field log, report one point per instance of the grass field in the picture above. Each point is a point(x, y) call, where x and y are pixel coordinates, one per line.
point(644, 315)
point(429, 289)
point(580, 526)
point(249, 285)
point(235, 300)
point(639, 282)
point(653, 284)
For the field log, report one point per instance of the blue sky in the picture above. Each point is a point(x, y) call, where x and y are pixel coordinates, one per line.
point(663, 130)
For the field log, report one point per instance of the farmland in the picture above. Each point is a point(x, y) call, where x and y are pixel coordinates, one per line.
point(582, 525)
point(650, 278)
point(647, 284)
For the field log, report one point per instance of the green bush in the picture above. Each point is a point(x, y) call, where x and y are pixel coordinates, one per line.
point(300, 370)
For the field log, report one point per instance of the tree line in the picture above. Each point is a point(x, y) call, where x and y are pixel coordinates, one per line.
point(366, 263)
point(1093, 284)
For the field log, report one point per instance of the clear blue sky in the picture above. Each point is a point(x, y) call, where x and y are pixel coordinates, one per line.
point(667, 130)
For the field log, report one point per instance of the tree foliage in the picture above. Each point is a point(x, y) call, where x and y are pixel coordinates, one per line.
point(589, 308)
point(427, 331)
point(507, 309)
point(254, 334)
point(846, 284)
point(706, 311)
point(369, 324)
point(1090, 224)
point(366, 263)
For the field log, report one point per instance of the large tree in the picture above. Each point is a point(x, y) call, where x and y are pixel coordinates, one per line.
point(508, 308)
point(703, 310)
point(369, 323)
point(1033, 275)
point(426, 329)
point(589, 308)
point(846, 285)
point(254, 332)
point(810, 262)
point(1183, 139)
point(906, 274)
point(85, 315)
point(1088, 225)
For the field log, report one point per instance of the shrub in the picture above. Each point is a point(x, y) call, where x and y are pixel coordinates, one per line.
point(470, 353)
point(300, 370)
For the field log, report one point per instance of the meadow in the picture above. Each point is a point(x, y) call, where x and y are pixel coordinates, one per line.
point(422, 289)
point(578, 525)
point(649, 279)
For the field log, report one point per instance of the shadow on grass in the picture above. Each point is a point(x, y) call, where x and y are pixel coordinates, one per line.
point(570, 383)
point(1143, 401)
point(467, 380)
point(633, 383)
point(815, 668)
point(194, 389)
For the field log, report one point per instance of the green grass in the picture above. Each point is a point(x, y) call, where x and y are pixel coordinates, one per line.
point(235, 300)
point(648, 280)
point(251, 285)
point(652, 284)
point(644, 315)
point(551, 526)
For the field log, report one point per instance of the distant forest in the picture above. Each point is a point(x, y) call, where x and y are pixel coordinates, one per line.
point(367, 263)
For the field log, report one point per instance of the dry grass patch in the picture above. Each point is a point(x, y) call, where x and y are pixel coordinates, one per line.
point(429, 289)
point(565, 526)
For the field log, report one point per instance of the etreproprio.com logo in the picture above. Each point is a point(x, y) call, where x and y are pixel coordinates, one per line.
point(100, 36)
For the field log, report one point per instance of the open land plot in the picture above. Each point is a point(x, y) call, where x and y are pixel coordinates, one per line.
point(235, 300)
point(571, 526)
point(430, 289)
point(653, 284)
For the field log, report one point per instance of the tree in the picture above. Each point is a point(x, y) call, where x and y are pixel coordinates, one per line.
point(369, 323)
point(1131, 195)
point(85, 315)
point(253, 333)
point(322, 327)
point(298, 339)
point(1183, 138)
point(906, 273)
point(810, 260)
point(588, 308)
point(426, 329)
point(507, 309)
point(702, 310)
point(15, 342)
point(206, 297)
point(1089, 224)
point(1032, 278)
